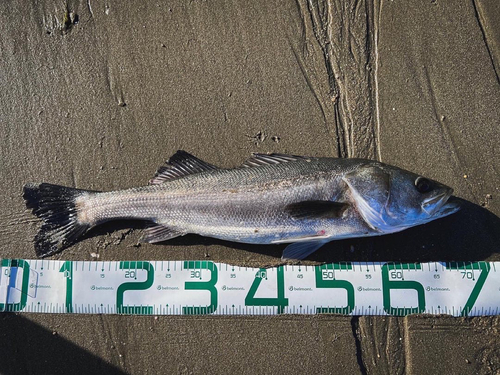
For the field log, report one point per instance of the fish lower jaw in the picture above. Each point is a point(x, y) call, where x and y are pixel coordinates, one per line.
point(446, 210)
point(435, 203)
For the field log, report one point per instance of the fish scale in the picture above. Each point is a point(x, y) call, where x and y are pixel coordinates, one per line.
point(217, 203)
point(271, 198)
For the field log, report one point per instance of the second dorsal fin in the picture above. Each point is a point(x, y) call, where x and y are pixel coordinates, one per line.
point(178, 165)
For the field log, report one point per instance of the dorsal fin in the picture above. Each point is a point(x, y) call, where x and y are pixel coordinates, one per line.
point(269, 159)
point(178, 165)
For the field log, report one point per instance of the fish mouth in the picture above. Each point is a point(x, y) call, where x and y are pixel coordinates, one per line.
point(440, 205)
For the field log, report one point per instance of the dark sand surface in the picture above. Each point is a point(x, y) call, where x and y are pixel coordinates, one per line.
point(97, 94)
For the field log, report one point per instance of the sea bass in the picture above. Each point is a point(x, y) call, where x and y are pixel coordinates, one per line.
point(270, 199)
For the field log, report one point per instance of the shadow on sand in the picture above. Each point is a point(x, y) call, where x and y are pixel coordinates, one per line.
point(29, 348)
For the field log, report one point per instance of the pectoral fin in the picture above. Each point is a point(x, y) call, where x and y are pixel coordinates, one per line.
point(316, 209)
point(301, 250)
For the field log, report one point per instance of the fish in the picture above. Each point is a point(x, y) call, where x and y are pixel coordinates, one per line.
point(302, 201)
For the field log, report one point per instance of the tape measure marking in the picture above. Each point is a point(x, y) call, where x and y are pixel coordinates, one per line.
point(205, 287)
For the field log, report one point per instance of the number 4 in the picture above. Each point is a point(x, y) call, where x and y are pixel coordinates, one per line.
point(281, 302)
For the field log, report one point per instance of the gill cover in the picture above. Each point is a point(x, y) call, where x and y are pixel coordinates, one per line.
point(370, 188)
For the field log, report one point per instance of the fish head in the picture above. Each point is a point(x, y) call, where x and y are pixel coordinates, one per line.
point(391, 199)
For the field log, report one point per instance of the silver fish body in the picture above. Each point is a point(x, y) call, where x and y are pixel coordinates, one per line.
point(273, 198)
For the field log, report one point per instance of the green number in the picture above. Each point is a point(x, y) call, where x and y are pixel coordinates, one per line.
point(484, 268)
point(326, 271)
point(202, 285)
point(388, 284)
point(67, 268)
point(20, 263)
point(146, 310)
point(280, 301)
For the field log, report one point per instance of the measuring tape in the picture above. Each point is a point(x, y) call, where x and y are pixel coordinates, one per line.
point(205, 287)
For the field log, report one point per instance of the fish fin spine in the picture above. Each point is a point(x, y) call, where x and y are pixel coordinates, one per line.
point(159, 233)
point(179, 165)
point(259, 159)
point(301, 250)
point(56, 206)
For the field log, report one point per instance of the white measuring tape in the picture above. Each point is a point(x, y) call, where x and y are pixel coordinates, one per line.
point(205, 287)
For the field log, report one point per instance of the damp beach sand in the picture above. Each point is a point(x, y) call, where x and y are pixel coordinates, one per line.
point(96, 95)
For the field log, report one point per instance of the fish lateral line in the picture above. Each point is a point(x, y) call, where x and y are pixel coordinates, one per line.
point(305, 201)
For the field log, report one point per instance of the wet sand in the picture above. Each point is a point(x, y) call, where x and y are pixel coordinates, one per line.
point(97, 95)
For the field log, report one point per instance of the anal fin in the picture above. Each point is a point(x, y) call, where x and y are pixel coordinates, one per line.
point(159, 233)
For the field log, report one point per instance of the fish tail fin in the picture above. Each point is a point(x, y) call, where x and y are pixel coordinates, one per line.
point(56, 206)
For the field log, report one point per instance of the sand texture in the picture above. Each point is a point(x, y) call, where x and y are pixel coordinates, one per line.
point(98, 94)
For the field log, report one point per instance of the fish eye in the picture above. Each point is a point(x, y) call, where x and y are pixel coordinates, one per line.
point(423, 185)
